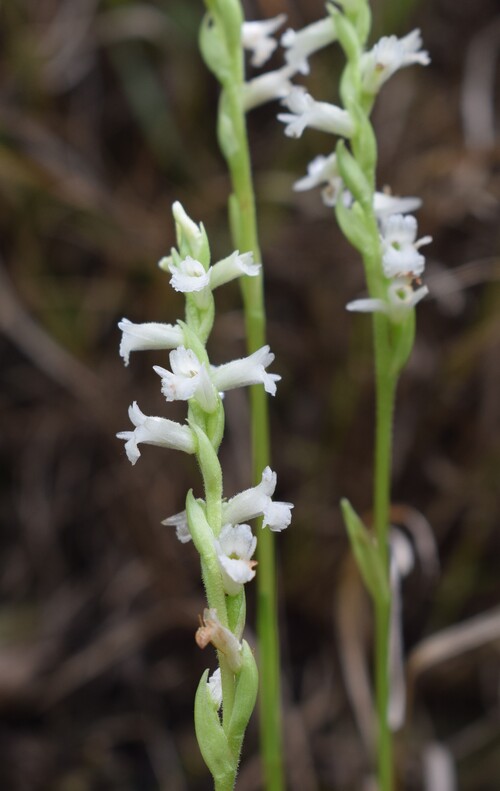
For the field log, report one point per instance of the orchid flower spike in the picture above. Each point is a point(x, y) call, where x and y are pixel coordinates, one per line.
point(306, 112)
point(257, 37)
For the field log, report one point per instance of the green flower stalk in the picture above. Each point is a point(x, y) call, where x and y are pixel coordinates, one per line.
point(377, 225)
point(223, 38)
point(217, 527)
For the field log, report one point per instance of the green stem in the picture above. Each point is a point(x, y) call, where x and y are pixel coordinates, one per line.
point(246, 238)
point(385, 392)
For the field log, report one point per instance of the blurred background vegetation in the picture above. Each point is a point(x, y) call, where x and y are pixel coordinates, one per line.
point(107, 116)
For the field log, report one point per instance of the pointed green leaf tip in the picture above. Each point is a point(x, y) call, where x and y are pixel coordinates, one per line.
point(191, 238)
point(365, 550)
point(211, 738)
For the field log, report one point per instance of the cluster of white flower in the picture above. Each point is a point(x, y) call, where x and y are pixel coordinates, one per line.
point(193, 378)
point(402, 262)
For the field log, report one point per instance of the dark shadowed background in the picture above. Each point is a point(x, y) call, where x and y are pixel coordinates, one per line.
point(106, 117)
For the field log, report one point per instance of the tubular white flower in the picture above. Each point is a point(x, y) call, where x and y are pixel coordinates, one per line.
point(235, 547)
point(143, 337)
point(400, 247)
point(214, 685)
point(400, 299)
point(267, 87)
point(188, 275)
point(246, 371)
point(188, 378)
point(179, 521)
point(322, 170)
point(154, 431)
point(257, 37)
point(300, 44)
point(257, 501)
point(388, 55)
point(235, 265)
point(306, 112)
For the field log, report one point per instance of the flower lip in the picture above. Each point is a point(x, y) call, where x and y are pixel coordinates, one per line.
point(235, 547)
point(188, 275)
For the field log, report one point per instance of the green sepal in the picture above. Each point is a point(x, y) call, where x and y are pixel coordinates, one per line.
point(227, 134)
point(212, 740)
point(231, 15)
point(350, 88)
point(353, 177)
point(364, 143)
point(402, 338)
point(214, 49)
point(352, 223)
point(193, 342)
point(215, 425)
point(366, 552)
point(347, 35)
point(236, 613)
point(363, 22)
point(200, 530)
point(247, 683)
point(212, 477)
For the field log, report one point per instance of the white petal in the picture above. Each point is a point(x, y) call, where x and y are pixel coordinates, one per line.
point(237, 541)
point(384, 205)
